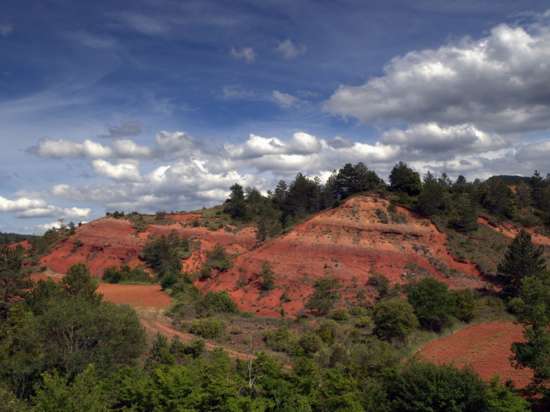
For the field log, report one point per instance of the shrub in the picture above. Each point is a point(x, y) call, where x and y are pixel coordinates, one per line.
point(394, 319)
point(217, 259)
point(464, 305)
point(327, 331)
point(427, 387)
point(207, 328)
point(125, 274)
point(325, 296)
point(281, 340)
point(310, 343)
point(432, 302)
point(267, 277)
point(380, 283)
point(215, 302)
point(164, 254)
point(340, 315)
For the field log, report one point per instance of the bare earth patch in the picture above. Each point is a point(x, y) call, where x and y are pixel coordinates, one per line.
point(486, 347)
point(150, 296)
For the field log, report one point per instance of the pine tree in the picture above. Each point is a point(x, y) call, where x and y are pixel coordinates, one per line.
point(522, 259)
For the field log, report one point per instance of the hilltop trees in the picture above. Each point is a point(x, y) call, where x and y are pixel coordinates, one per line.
point(404, 179)
point(354, 179)
point(522, 259)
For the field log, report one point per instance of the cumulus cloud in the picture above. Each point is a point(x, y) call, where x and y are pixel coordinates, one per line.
point(129, 149)
point(61, 148)
point(119, 171)
point(433, 138)
point(245, 53)
point(26, 207)
point(289, 50)
point(284, 100)
point(498, 82)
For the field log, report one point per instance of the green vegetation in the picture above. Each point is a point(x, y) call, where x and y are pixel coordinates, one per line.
point(217, 261)
point(394, 319)
point(164, 255)
point(324, 296)
point(125, 274)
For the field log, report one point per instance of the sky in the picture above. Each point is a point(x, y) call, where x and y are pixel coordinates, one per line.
point(154, 105)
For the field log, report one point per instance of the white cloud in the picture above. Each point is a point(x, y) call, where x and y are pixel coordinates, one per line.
point(289, 50)
point(245, 53)
point(65, 148)
point(499, 82)
point(533, 152)
point(126, 148)
point(434, 138)
point(121, 171)
point(284, 100)
point(20, 204)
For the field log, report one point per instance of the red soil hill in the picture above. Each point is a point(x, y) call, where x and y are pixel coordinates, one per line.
point(362, 237)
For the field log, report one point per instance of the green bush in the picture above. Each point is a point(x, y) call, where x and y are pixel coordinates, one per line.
point(310, 343)
point(432, 302)
point(215, 302)
point(125, 274)
point(281, 340)
point(218, 260)
point(267, 277)
point(164, 254)
point(207, 328)
point(394, 319)
point(464, 305)
point(324, 296)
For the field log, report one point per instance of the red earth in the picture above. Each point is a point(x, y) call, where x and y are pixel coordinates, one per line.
point(486, 347)
point(510, 231)
point(139, 296)
point(362, 237)
point(352, 242)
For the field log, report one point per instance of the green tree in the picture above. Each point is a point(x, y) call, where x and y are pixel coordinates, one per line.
point(79, 283)
point(13, 280)
point(432, 302)
point(427, 387)
point(394, 319)
point(404, 179)
point(522, 259)
point(355, 179)
point(235, 206)
point(464, 213)
point(267, 277)
point(59, 394)
point(325, 296)
point(433, 197)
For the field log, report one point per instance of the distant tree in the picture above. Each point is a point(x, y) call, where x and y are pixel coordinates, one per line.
point(355, 179)
point(464, 214)
point(522, 259)
point(523, 195)
point(324, 296)
point(267, 277)
point(404, 179)
point(394, 319)
point(235, 206)
point(498, 198)
point(13, 280)
point(164, 254)
point(79, 283)
point(533, 309)
point(432, 198)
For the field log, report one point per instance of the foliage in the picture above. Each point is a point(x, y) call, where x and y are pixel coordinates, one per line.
point(217, 260)
point(164, 254)
point(427, 387)
point(208, 328)
point(394, 319)
point(522, 259)
point(13, 281)
point(215, 302)
point(125, 274)
point(267, 277)
point(353, 179)
point(324, 296)
point(404, 179)
point(432, 302)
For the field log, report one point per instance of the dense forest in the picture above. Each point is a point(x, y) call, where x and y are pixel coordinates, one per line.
point(64, 348)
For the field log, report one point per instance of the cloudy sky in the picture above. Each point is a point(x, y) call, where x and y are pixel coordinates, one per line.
point(163, 104)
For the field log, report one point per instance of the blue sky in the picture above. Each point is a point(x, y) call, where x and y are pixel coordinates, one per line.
point(154, 105)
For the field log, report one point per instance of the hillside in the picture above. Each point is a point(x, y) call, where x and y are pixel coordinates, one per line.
point(361, 237)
